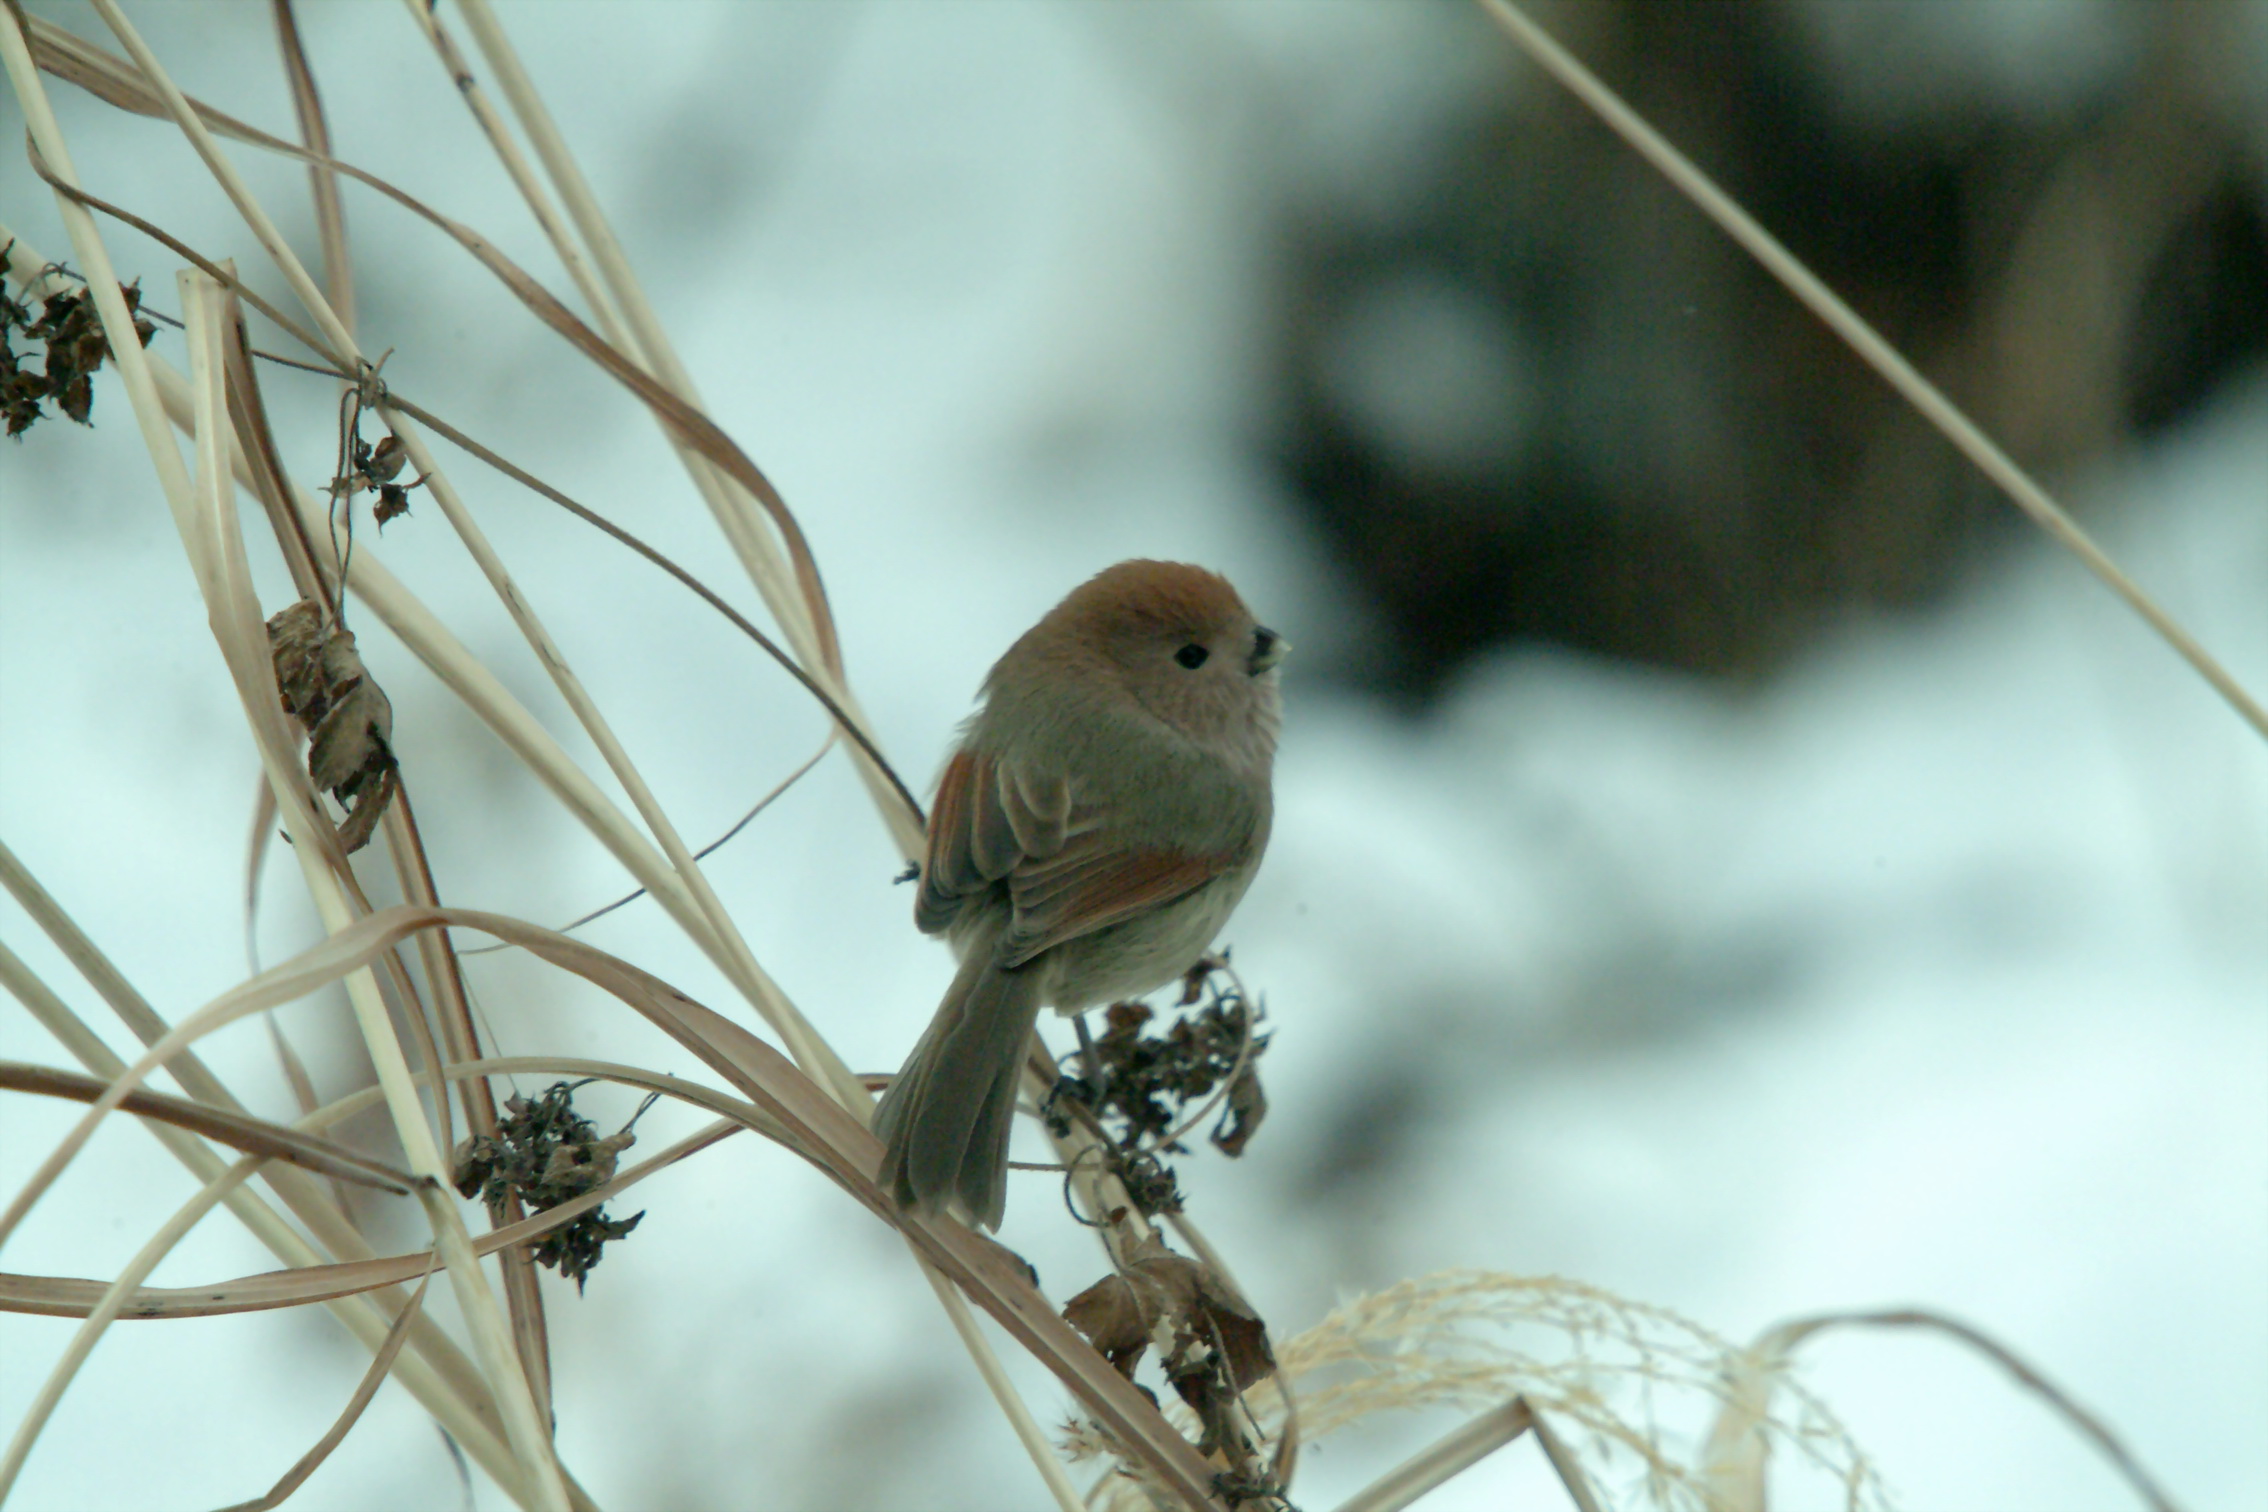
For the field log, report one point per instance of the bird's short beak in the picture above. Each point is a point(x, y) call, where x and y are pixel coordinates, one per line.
point(1268, 648)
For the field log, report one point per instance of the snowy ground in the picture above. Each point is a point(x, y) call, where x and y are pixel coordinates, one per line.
point(1934, 973)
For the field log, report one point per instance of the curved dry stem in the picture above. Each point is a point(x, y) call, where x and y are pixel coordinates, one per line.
point(816, 1126)
point(372, 1378)
point(99, 1317)
point(1875, 352)
point(1768, 1356)
point(453, 1391)
point(436, 1372)
point(72, 1297)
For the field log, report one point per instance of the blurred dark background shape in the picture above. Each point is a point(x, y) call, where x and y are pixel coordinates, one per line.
point(1531, 395)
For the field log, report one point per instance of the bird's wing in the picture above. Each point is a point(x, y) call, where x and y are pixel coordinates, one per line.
point(988, 820)
point(1091, 886)
point(1066, 877)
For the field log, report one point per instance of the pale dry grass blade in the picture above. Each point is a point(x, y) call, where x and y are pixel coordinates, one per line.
point(437, 1372)
point(232, 183)
point(1036, 1444)
point(795, 601)
point(240, 629)
point(1449, 1456)
point(816, 1126)
point(579, 271)
point(1569, 1469)
point(111, 79)
point(1877, 353)
point(380, 1364)
point(792, 593)
point(99, 1318)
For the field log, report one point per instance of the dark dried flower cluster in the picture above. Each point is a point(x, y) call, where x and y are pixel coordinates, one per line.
point(375, 468)
point(547, 1153)
point(72, 333)
point(1138, 1088)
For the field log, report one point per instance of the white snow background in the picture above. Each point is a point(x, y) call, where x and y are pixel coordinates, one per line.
point(1934, 972)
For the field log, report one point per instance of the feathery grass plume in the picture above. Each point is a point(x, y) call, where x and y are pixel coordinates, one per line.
point(1631, 1388)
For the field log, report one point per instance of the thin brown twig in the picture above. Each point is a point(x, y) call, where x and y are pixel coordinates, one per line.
point(173, 244)
point(239, 1131)
point(693, 427)
point(761, 804)
point(525, 479)
point(315, 132)
point(523, 1295)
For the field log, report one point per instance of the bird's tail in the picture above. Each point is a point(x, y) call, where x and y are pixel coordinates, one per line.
point(944, 1121)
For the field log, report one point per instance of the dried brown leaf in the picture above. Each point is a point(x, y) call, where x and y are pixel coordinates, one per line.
point(1110, 1316)
point(349, 722)
point(349, 744)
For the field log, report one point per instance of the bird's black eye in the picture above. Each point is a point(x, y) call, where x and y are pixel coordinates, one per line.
point(1192, 656)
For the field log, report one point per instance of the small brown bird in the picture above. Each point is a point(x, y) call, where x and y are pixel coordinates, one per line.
point(1103, 813)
